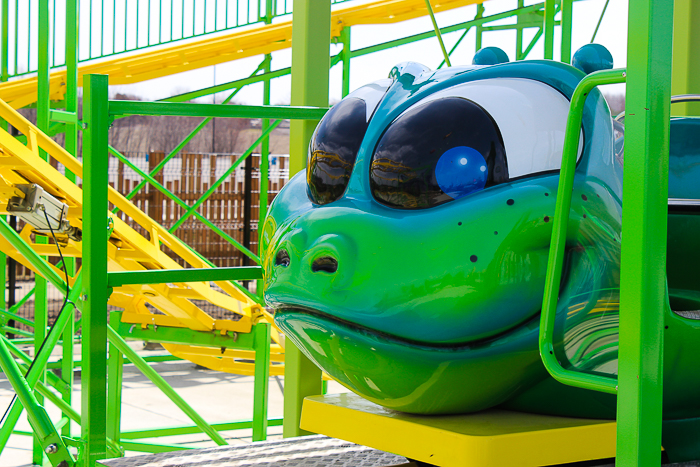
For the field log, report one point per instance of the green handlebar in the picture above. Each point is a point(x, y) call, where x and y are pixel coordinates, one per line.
point(559, 233)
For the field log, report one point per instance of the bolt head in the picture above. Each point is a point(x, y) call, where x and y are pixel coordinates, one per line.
point(51, 449)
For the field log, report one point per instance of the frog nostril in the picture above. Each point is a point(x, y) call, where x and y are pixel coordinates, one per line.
point(282, 258)
point(326, 264)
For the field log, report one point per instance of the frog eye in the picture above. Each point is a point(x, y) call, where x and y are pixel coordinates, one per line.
point(434, 152)
point(437, 152)
point(336, 141)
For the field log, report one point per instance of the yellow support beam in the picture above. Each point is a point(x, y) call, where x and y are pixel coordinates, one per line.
point(213, 50)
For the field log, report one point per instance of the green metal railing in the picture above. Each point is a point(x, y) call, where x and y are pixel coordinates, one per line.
point(113, 27)
point(560, 225)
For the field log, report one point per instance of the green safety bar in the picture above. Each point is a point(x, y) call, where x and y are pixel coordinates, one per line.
point(559, 232)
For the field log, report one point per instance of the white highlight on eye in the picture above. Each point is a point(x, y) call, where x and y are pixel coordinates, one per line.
point(482, 168)
point(463, 161)
point(530, 115)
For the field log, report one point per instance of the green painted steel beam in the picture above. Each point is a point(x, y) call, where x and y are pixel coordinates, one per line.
point(154, 448)
point(310, 86)
point(189, 109)
point(163, 385)
point(185, 336)
point(549, 12)
point(643, 296)
point(63, 116)
point(446, 30)
point(437, 33)
point(263, 77)
point(5, 44)
point(95, 295)
point(567, 18)
point(193, 429)
point(261, 386)
point(172, 276)
point(686, 54)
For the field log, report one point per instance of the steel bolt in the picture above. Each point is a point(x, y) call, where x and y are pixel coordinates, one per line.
point(51, 449)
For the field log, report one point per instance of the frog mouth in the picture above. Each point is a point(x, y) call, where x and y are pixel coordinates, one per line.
point(300, 311)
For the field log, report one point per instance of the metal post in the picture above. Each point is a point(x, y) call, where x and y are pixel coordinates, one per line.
point(71, 144)
point(347, 55)
point(479, 27)
point(686, 49)
point(95, 225)
point(11, 279)
point(519, 33)
point(645, 215)
point(566, 23)
point(549, 10)
point(264, 163)
point(310, 70)
point(5, 32)
point(247, 201)
point(262, 378)
point(41, 306)
point(114, 387)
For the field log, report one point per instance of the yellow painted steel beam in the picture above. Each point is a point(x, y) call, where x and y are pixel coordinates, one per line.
point(128, 250)
point(497, 438)
point(216, 49)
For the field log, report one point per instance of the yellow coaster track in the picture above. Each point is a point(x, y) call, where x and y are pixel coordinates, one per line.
point(216, 49)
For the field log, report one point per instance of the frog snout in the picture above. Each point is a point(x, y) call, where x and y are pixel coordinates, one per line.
point(312, 261)
point(327, 263)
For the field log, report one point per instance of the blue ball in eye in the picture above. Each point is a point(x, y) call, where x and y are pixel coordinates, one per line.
point(460, 171)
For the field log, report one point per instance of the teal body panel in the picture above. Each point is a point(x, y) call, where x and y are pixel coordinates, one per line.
point(436, 310)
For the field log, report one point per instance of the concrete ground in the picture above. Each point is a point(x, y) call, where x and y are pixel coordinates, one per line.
point(217, 397)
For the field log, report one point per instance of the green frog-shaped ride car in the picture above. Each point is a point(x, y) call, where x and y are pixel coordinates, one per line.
point(409, 261)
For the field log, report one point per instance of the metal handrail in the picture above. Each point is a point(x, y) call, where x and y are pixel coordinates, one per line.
point(559, 232)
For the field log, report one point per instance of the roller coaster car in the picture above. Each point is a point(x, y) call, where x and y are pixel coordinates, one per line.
point(409, 261)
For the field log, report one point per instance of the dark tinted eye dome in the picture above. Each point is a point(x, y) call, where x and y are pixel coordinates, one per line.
point(333, 150)
point(437, 152)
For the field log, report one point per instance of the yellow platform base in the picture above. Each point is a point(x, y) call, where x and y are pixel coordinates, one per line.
point(492, 438)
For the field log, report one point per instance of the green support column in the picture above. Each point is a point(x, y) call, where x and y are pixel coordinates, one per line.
point(347, 56)
point(479, 27)
point(5, 44)
point(95, 224)
point(686, 54)
point(549, 9)
point(645, 212)
point(310, 71)
point(519, 33)
point(41, 308)
point(566, 25)
point(71, 145)
point(264, 164)
point(114, 387)
point(262, 378)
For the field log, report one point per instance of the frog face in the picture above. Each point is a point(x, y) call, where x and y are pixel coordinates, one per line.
point(409, 260)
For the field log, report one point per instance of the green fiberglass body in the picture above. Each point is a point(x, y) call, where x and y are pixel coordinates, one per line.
point(409, 261)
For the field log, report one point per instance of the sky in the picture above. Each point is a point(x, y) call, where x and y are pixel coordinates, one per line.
point(612, 34)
